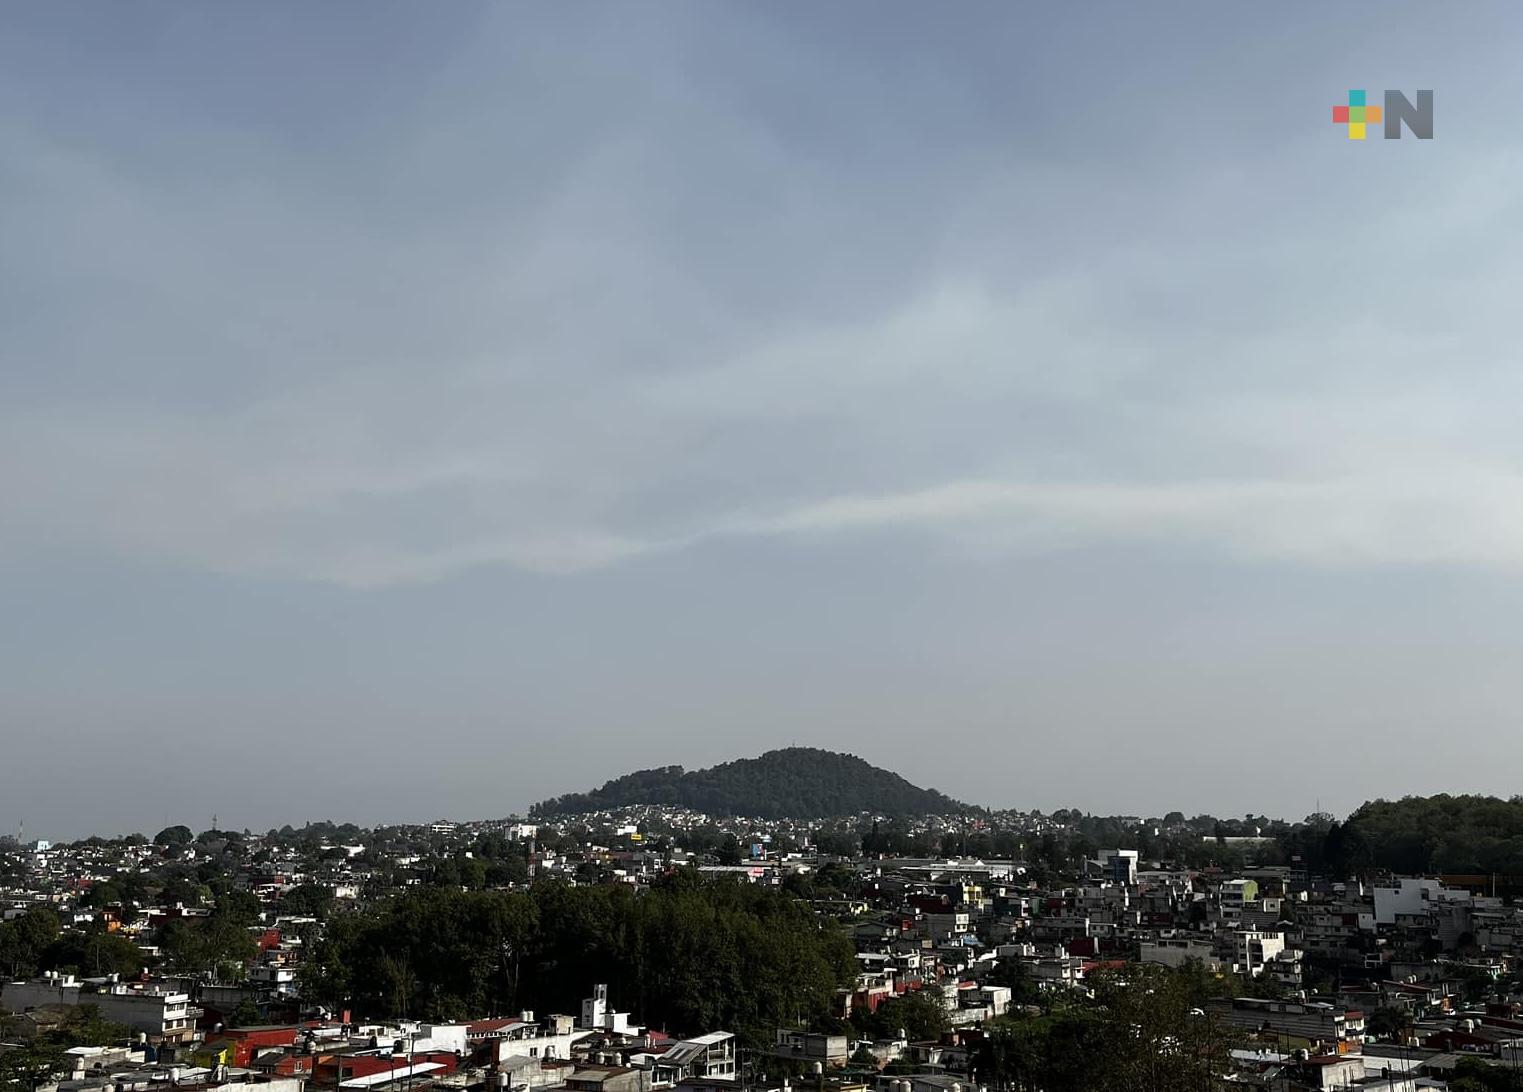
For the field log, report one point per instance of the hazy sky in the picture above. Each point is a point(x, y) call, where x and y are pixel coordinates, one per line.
point(415, 410)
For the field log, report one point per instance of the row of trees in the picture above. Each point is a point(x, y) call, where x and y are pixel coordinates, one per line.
point(1443, 833)
point(1415, 835)
point(1054, 851)
point(688, 955)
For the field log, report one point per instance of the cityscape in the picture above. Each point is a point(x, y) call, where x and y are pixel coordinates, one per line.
point(621, 940)
point(760, 546)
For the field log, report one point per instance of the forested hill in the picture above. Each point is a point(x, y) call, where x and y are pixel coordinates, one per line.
point(1443, 833)
point(793, 783)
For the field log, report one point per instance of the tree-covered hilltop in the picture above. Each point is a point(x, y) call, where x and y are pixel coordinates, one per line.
point(792, 783)
point(1443, 833)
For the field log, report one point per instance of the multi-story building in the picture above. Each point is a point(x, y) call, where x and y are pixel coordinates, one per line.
point(1253, 950)
point(1314, 1022)
point(160, 1012)
point(708, 1057)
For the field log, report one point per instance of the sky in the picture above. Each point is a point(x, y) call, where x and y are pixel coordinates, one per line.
point(412, 411)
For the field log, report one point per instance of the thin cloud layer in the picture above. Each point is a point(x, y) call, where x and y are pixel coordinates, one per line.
point(595, 320)
point(991, 425)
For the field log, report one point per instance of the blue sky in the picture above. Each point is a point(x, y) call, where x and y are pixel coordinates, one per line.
point(411, 411)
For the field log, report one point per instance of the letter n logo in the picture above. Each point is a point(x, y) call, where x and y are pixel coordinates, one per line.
point(1399, 110)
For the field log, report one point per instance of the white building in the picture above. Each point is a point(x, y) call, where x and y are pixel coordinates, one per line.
point(1411, 898)
point(155, 1011)
point(1252, 950)
point(152, 1010)
point(597, 1017)
point(709, 1057)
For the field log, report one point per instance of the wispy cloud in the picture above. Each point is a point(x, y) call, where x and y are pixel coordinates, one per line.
point(691, 319)
point(1376, 520)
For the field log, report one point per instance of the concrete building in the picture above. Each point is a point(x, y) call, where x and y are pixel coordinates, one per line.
point(156, 1011)
point(1411, 898)
point(1235, 894)
point(1253, 950)
point(1337, 1029)
point(1176, 951)
point(708, 1057)
point(1119, 865)
point(596, 1016)
point(811, 1046)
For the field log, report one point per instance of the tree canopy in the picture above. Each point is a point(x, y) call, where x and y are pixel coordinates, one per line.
point(795, 782)
point(1145, 1029)
point(689, 955)
point(179, 835)
point(1443, 833)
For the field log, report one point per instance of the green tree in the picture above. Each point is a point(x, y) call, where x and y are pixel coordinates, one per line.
point(26, 1067)
point(180, 891)
point(689, 954)
point(1476, 1075)
point(218, 945)
point(307, 900)
point(1023, 986)
point(102, 894)
point(24, 940)
point(176, 836)
point(247, 1014)
point(239, 907)
point(1144, 1030)
point(921, 1016)
point(94, 952)
point(83, 1025)
point(1388, 1022)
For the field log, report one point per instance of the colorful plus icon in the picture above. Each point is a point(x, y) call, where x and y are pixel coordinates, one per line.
point(1356, 114)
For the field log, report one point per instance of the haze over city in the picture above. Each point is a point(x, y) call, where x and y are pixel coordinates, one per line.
point(405, 417)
